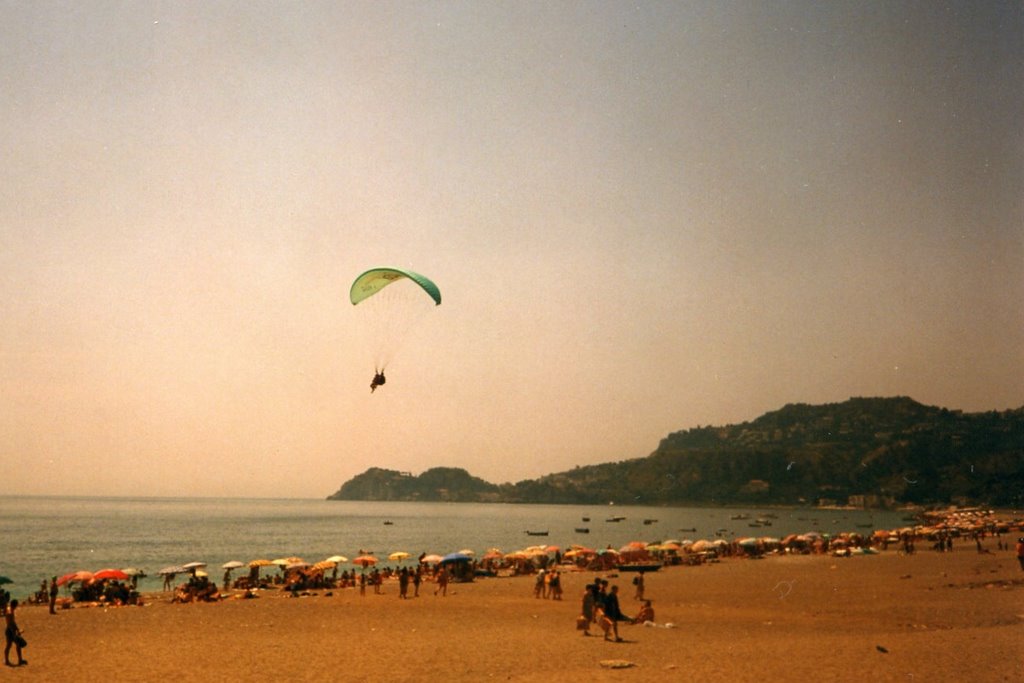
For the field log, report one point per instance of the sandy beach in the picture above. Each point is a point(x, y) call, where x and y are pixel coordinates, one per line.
point(890, 617)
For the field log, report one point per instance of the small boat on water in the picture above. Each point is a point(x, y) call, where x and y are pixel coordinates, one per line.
point(650, 521)
point(582, 530)
point(388, 522)
point(741, 515)
point(691, 530)
point(616, 518)
point(536, 533)
point(586, 519)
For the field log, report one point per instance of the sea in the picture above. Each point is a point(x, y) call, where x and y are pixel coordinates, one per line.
point(47, 536)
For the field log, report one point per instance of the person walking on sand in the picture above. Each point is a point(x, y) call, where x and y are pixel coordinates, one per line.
point(613, 613)
point(1020, 551)
point(442, 582)
point(417, 577)
point(13, 635)
point(638, 581)
point(589, 605)
point(53, 595)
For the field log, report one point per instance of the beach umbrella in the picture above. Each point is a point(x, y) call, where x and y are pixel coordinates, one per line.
point(325, 564)
point(173, 569)
point(455, 557)
point(133, 571)
point(109, 574)
point(297, 565)
point(701, 546)
point(467, 551)
point(74, 577)
point(493, 556)
point(67, 578)
point(552, 548)
point(233, 564)
point(431, 559)
point(193, 566)
point(398, 556)
point(260, 563)
point(365, 561)
point(339, 559)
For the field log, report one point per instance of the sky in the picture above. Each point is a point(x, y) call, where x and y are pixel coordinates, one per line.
point(642, 218)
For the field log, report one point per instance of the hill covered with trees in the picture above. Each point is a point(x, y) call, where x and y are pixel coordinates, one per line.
point(864, 451)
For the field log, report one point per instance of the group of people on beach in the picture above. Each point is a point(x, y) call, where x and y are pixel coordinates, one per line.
point(600, 605)
point(548, 584)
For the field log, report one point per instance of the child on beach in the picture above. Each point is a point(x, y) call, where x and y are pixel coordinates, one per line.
point(645, 614)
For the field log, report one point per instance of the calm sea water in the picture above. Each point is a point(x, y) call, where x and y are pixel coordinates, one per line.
point(46, 536)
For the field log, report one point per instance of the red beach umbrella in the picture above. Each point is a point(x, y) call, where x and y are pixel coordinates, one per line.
point(82, 576)
point(114, 574)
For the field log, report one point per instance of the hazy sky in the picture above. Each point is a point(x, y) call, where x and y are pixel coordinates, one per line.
point(642, 217)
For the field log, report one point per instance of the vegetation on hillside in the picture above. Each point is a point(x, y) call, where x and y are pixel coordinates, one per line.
point(868, 451)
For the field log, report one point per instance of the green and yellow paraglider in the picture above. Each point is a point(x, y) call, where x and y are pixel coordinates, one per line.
point(394, 299)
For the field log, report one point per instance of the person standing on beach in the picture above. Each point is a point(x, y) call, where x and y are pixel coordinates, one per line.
point(638, 581)
point(53, 595)
point(417, 577)
point(13, 635)
point(403, 583)
point(442, 582)
point(1020, 552)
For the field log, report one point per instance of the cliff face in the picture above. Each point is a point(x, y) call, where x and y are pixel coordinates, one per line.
point(886, 450)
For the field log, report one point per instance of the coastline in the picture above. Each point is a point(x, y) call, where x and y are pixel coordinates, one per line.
point(930, 616)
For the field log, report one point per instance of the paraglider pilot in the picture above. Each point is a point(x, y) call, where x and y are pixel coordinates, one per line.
point(378, 380)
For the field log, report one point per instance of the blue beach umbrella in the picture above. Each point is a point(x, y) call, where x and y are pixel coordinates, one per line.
point(454, 557)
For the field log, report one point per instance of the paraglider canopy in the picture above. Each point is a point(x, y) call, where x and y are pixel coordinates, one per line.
point(391, 301)
point(376, 279)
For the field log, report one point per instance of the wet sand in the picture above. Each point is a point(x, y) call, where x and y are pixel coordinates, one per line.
point(887, 617)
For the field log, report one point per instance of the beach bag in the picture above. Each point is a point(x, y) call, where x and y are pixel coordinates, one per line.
point(20, 641)
point(581, 623)
point(635, 580)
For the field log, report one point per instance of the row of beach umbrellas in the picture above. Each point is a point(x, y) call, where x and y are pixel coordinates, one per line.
point(292, 563)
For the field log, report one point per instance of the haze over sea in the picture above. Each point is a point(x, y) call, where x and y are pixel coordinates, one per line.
point(46, 536)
